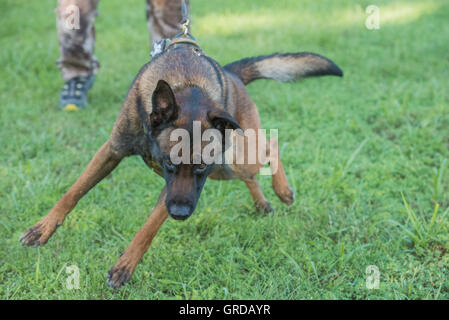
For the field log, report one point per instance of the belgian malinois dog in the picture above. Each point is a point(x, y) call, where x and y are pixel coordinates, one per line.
point(177, 87)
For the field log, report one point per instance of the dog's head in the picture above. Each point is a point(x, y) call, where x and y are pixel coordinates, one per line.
point(179, 123)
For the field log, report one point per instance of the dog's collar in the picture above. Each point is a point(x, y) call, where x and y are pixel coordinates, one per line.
point(189, 40)
point(164, 44)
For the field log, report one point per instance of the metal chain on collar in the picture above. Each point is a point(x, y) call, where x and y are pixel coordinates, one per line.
point(185, 22)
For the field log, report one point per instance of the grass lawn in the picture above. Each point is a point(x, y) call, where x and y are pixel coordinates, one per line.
point(365, 154)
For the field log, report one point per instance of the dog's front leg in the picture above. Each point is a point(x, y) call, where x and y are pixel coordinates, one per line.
point(104, 161)
point(121, 272)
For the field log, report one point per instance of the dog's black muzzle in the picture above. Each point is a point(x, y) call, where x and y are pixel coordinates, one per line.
point(180, 211)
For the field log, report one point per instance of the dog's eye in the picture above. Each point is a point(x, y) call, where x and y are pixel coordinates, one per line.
point(201, 168)
point(169, 165)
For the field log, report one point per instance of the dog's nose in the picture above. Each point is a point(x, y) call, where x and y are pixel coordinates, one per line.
point(179, 212)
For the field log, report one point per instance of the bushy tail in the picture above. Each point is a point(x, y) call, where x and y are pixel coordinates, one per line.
point(283, 67)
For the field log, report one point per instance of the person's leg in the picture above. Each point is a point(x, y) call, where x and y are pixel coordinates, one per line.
point(164, 18)
point(76, 35)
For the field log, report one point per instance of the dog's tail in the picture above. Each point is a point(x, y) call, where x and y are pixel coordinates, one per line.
point(283, 67)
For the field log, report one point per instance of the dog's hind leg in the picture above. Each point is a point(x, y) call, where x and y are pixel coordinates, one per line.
point(104, 161)
point(121, 272)
point(279, 180)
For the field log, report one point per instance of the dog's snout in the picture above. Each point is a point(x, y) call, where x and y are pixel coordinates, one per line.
point(179, 211)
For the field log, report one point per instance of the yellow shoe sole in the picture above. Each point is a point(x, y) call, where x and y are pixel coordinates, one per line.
point(71, 107)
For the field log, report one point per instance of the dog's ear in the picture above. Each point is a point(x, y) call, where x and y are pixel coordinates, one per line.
point(165, 108)
point(221, 120)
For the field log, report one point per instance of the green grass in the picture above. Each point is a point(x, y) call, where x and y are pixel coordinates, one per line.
point(366, 156)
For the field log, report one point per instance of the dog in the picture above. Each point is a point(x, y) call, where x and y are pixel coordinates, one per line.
point(179, 86)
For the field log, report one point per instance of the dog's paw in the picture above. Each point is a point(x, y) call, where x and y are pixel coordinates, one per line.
point(119, 275)
point(264, 207)
point(286, 196)
point(38, 235)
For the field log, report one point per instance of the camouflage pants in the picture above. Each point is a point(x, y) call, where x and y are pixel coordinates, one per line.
point(76, 31)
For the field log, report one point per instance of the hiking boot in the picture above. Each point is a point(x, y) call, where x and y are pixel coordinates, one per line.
point(74, 93)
